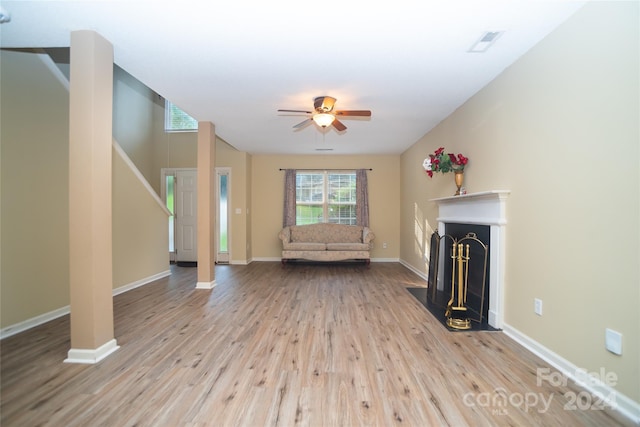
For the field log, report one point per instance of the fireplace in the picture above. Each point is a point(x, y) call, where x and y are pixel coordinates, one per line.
point(485, 215)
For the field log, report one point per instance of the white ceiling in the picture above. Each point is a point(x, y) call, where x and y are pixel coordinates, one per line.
point(236, 63)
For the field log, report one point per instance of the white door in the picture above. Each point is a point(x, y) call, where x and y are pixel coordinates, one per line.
point(186, 216)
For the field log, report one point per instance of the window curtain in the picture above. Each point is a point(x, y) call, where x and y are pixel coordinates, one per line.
point(289, 211)
point(362, 198)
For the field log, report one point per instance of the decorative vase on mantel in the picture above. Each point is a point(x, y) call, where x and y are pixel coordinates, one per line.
point(459, 178)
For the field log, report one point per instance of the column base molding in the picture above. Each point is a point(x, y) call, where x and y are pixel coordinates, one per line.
point(206, 285)
point(91, 356)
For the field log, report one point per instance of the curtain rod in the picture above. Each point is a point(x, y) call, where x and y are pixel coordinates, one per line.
point(325, 169)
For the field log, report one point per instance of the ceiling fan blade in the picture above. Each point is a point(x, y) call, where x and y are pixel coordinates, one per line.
point(363, 113)
point(302, 124)
point(338, 125)
point(295, 111)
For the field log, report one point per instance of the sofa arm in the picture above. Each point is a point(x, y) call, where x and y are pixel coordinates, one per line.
point(285, 235)
point(367, 235)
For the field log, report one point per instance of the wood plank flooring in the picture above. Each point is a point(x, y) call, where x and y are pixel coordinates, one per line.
point(308, 344)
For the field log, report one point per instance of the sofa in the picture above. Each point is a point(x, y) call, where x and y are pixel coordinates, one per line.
point(326, 242)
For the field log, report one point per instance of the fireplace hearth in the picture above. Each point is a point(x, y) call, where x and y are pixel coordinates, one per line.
point(436, 310)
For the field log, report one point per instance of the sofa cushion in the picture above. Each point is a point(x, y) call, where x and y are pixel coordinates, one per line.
point(304, 246)
point(306, 234)
point(326, 255)
point(347, 246)
point(326, 233)
point(342, 233)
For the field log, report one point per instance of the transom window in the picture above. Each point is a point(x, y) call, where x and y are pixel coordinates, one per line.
point(176, 120)
point(326, 196)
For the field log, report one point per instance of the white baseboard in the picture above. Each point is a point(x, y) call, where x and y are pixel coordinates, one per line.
point(91, 356)
point(384, 260)
point(33, 322)
point(63, 311)
point(267, 259)
point(412, 268)
point(141, 282)
point(622, 404)
point(278, 259)
point(206, 285)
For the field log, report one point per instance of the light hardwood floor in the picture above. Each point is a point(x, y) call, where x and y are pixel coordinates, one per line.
point(311, 345)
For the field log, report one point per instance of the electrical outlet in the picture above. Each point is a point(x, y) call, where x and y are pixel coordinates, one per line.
point(537, 306)
point(613, 341)
point(384, 245)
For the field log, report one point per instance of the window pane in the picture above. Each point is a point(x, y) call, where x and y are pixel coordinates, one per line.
point(170, 205)
point(308, 214)
point(222, 232)
point(342, 188)
point(177, 120)
point(342, 214)
point(309, 188)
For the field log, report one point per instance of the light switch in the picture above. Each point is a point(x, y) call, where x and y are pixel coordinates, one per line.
point(238, 211)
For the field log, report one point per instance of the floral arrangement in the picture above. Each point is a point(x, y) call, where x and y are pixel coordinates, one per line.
point(443, 162)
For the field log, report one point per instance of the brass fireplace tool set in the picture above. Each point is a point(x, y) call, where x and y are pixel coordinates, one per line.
point(456, 312)
point(459, 312)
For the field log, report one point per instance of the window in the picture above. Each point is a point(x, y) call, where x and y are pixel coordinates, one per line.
point(176, 120)
point(326, 197)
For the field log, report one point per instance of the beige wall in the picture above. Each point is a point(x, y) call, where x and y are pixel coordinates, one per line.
point(267, 198)
point(559, 128)
point(34, 141)
point(182, 149)
point(140, 233)
point(175, 150)
point(133, 120)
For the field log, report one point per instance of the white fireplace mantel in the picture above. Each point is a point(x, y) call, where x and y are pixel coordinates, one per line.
point(487, 207)
point(484, 208)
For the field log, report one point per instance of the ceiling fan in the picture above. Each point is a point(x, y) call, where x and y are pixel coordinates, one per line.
point(324, 114)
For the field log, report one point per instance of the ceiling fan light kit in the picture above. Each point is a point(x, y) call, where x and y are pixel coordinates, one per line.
point(324, 115)
point(323, 119)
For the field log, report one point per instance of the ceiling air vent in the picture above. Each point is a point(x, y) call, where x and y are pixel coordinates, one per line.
point(485, 41)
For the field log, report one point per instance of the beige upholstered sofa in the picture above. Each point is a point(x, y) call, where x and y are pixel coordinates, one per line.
point(326, 242)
